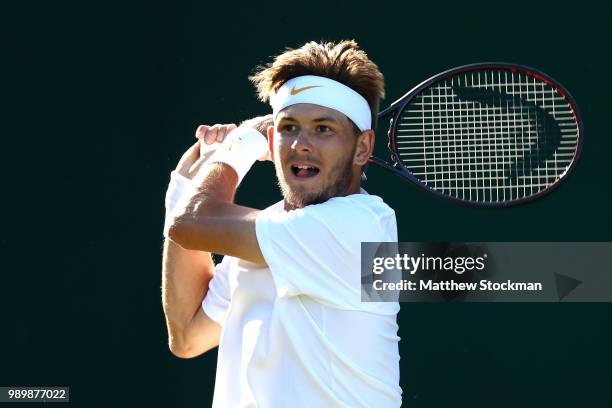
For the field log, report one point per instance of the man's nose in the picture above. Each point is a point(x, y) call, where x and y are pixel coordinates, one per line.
point(302, 142)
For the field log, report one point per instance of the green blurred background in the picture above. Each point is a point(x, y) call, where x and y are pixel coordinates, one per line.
point(101, 99)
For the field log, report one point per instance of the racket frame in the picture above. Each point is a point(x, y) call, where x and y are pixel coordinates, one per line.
point(395, 109)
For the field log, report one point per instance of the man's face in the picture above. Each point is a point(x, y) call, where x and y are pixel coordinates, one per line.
point(314, 149)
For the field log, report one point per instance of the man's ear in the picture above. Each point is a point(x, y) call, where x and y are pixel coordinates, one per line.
point(271, 141)
point(364, 148)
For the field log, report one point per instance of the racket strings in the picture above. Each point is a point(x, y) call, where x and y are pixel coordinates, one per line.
point(488, 136)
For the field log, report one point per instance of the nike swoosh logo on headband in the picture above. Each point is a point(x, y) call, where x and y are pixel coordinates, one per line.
point(297, 91)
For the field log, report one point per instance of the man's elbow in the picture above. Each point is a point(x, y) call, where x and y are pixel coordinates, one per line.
point(180, 232)
point(192, 233)
point(176, 231)
point(184, 352)
point(190, 350)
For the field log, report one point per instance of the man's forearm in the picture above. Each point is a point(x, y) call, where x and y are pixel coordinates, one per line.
point(212, 222)
point(214, 184)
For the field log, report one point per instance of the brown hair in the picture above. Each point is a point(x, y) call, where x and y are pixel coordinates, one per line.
point(343, 62)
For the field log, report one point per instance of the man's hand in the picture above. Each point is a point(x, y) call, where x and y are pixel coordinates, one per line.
point(191, 162)
point(214, 133)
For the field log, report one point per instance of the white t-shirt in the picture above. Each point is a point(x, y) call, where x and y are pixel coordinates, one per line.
point(296, 334)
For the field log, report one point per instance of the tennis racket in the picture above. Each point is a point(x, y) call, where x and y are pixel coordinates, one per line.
point(487, 134)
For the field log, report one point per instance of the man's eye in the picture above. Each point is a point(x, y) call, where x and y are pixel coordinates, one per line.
point(289, 128)
point(323, 129)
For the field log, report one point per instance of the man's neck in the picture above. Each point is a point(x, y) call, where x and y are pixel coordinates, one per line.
point(353, 190)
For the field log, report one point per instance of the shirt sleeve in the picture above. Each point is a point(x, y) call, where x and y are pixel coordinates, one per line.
point(316, 251)
point(217, 300)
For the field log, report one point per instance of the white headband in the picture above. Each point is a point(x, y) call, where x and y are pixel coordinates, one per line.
point(323, 92)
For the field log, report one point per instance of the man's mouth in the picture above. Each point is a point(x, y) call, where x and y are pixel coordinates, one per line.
point(304, 171)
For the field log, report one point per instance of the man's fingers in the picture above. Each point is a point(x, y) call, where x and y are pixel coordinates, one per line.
point(191, 161)
point(224, 131)
point(201, 131)
point(221, 133)
point(211, 134)
point(214, 133)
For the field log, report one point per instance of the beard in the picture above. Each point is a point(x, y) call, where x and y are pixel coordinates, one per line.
point(336, 184)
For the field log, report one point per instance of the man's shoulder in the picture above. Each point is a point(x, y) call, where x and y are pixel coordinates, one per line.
point(359, 216)
point(362, 215)
point(365, 203)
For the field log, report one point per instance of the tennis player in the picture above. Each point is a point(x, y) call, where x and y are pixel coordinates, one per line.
point(284, 305)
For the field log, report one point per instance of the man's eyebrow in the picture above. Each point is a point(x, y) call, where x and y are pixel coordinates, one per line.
point(288, 118)
point(317, 120)
point(326, 119)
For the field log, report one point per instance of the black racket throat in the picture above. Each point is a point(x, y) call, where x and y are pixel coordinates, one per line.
point(488, 134)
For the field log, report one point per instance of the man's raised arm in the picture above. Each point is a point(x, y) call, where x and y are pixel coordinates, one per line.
point(187, 273)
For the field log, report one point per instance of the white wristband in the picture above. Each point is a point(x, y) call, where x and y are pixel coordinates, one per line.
point(240, 149)
point(176, 188)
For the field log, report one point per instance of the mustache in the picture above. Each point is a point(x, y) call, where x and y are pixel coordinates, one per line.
point(309, 159)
